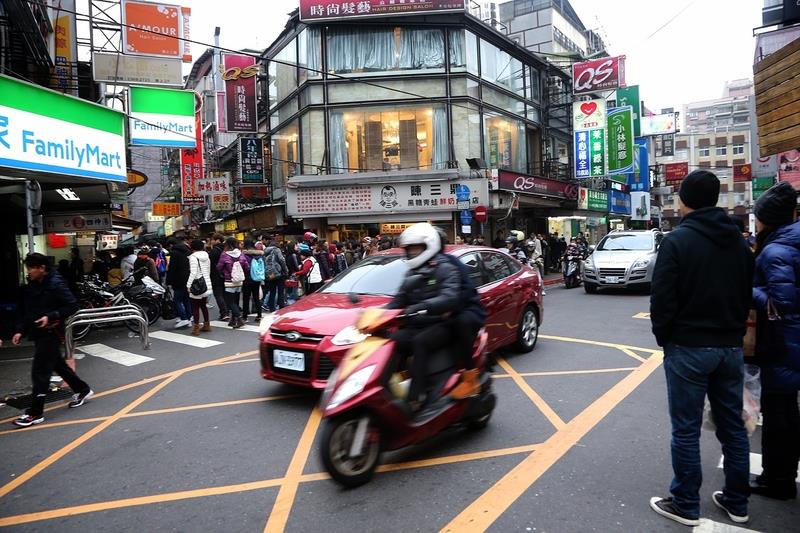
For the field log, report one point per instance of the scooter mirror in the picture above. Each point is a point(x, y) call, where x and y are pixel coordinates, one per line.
point(354, 298)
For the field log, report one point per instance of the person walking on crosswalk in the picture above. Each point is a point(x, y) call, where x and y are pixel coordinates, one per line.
point(199, 285)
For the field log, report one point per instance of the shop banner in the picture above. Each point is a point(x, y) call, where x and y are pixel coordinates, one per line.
point(221, 202)
point(630, 96)
point(209, 186)
point(64, 46)
point(313, 10)
point(675, 172)
point(742, 173)
point(161, 117)
point(668, 145)
point(522, 183)
point(72, 222)
point(658, 124)
point(395, 229)
point(765, 167)
point(640, 206)
point(591, 200)
point(603, 74)
point(166, 209)
point(761, 185)
point(240, 73)
point(589, 114)
point(789, 168)
point(192, 168)
point(369, 199)
point(48, 133)
point(619, 203)
point(590, 160)
point(141, 70)
point(620, 140)
point(168, 24)
point(639, 179)
point(251, 159)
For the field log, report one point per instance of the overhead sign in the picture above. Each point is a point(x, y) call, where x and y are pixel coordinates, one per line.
point(596, 75)
point(619, 202)
point(658, 124)
point(764, 167)
point(675, 172)
point(522, 183)
point(762, 185)
point(136, 179)
point(221, 202)
point(639, 179)
point(139, 70)
point(314, 10)
point(742, 173)
point(640, 206)
point(591, 200)
point(166, 209)
point(668, 145)
point(64, 46)
point(251, 159)
point(590, 153)
point(775, 78)
point(45, 133)
point(68, 223)
point(240, 74)
point(630, 96)
point(161, 117)
point(192, 168)
point(591, 114)
point(394, 229)
point(154, 29)
point(209, 186)
point(620, 140)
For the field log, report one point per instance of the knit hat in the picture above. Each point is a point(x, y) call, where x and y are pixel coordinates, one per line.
point(700, 189)
point(776, 207)
point(259, 246)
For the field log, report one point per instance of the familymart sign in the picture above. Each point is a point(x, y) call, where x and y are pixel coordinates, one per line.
point(161, 117)
point(48, 133)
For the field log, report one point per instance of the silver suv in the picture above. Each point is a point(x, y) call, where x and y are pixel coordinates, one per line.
point(622, 259)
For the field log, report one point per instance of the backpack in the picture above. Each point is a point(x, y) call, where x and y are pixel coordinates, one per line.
point(257, 269)
point(161, 262)
point(237, 272)
point(271, 265)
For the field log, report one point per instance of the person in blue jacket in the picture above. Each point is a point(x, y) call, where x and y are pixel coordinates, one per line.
point(776, 298)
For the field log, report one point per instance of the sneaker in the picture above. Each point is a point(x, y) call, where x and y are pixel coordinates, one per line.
point(183, 324)
point(739, 519)
point(666, 508)
point(224, 318)
point(80, 398)
point(27, 420)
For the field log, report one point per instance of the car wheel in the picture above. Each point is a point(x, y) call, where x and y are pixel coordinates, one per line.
point(337, 440)
point(528, 330)
point(590, 288)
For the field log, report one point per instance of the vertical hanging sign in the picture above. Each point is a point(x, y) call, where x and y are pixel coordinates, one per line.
point(192, 167)
point(590, 158)
point(620, 140)
point(240, 72)
point(251, 160)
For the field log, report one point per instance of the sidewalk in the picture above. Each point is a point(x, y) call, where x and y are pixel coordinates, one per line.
point(553, 278)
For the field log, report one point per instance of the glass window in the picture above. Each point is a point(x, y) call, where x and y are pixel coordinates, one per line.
point(705, 152)
point(515, 266)
point(496, 266)
point(722, 150)
point(534, 114)
point(738, 149)
point(627, 241)
point(382, 274)
point(463, 51)
point(283, 113)
point(311, 95)
point(312, 141)
point(284, 154)
point(503, 101)
point(310, 53)
point(365, 49)
point(464, 87)
point(466, 132)
point(501, 68)
point(534, 85)
point(283, 75)
point(388, 138)
point(473, 264)
point(504, 142)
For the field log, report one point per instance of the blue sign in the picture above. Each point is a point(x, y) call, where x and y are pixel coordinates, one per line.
point(582, 155)
point(639, 180)
point(619, 203)
point(466, 217)
point(462, 193)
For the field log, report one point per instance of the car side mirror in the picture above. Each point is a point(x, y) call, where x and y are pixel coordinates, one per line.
point(591, 249)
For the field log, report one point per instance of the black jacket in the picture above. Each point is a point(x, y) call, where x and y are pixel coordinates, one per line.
point(178, 270)
point(702, 283)
point(434, 287)
point(470, 307)
point(49, 297)
point(216, 278)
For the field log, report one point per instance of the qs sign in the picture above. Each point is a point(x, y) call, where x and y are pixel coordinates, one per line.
point(235, 73)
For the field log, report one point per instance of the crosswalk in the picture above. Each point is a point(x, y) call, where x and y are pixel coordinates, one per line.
point(755, 464)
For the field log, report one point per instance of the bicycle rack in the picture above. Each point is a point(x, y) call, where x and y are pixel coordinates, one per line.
point(117, 313)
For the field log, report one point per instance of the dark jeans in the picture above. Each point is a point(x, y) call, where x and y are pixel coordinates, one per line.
point(313, 287)
point(219, 297)
point(420, 342)
point(467, 328)
point(251, 291)
point(46, 360)
point(691, 374)
point(200, 304)
point(232, 301)
point(182, 303)
point(780, 440)
point(274, 297)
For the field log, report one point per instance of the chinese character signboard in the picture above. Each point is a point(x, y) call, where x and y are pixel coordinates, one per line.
point(240, 74)
point(141, 70)
point(668, 145)
point(587, 115)
point(221, 202)
point(675, 172)
point(742, 173)
point(591, 200)
point(166, 24)
point(395, 229)
point(630, 96)
point(761, 185)
point(619, 203)
point(311, 10)
point(73, 222)
point(590, 153)
point(620, 140)
point(215, 185)
point(64, 46)
point(603, 74)
point(251, 159)
point(521, 183)
point(166, 209)
point(161, 117)
point(192, 168)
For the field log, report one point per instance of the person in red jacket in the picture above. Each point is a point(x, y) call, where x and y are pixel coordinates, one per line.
point(310, 270)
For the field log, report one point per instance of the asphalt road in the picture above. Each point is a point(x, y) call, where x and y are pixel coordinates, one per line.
point(195, 440)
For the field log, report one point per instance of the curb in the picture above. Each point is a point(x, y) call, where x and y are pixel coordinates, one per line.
point(552, 282)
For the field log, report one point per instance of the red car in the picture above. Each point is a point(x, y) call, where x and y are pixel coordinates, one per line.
point(302, 344)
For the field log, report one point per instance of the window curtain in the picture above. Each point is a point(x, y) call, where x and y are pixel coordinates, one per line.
point(421, 49)
point(457, 58)
point(313, 57)
point(521, 156)
point(440, 144)
point(339, 159)
point(360, 49)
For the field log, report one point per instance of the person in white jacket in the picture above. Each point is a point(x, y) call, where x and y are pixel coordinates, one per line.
point(199, 268)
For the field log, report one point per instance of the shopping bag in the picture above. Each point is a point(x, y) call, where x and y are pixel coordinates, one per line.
point(751, 402)
point(749, 346)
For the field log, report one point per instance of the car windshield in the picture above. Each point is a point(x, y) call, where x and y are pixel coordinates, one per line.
point(380, 274)
point(627, 241)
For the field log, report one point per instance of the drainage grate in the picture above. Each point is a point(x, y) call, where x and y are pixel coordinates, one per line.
point(53, 395)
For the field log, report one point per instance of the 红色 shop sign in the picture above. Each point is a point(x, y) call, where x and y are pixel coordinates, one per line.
point(161, 117)
point(312, 10)
point(48, 133)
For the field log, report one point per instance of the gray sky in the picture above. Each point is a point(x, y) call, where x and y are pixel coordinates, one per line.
point(688, 60)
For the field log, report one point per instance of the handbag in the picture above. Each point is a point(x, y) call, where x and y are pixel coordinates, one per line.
point(199, 287)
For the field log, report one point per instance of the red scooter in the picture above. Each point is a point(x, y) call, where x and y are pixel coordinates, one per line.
point(365, 411)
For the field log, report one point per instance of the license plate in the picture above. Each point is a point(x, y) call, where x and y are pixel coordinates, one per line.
point(289, 360)
point(612, 279)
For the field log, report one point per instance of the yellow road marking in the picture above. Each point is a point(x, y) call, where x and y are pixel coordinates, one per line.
point(461, 458)
point(283, 503)
point(643, 316)
point(598, 343)
point(537, 400)
point(485, 510)
point(567, 372)
point(635, 356)
point(240, 361)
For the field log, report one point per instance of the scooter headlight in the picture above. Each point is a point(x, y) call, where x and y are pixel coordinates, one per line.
point(351, 386)
point(349, 335)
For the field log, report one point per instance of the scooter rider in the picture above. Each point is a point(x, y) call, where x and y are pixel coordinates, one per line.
point(432, 285)
point(514, 246)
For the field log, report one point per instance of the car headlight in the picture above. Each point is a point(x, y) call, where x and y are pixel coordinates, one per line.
point(351, 386)
point(349, 335)
point(266, 323)
point(641, 263)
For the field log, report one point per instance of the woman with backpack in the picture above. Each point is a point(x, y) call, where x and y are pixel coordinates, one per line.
point(310, 271)
point(199, 285)
point(232, 266)
point(251, 291)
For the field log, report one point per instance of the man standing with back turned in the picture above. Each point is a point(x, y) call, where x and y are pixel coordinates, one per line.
point(699, 304)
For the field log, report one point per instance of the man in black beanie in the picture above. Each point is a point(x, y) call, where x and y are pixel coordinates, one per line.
point(699, 305)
